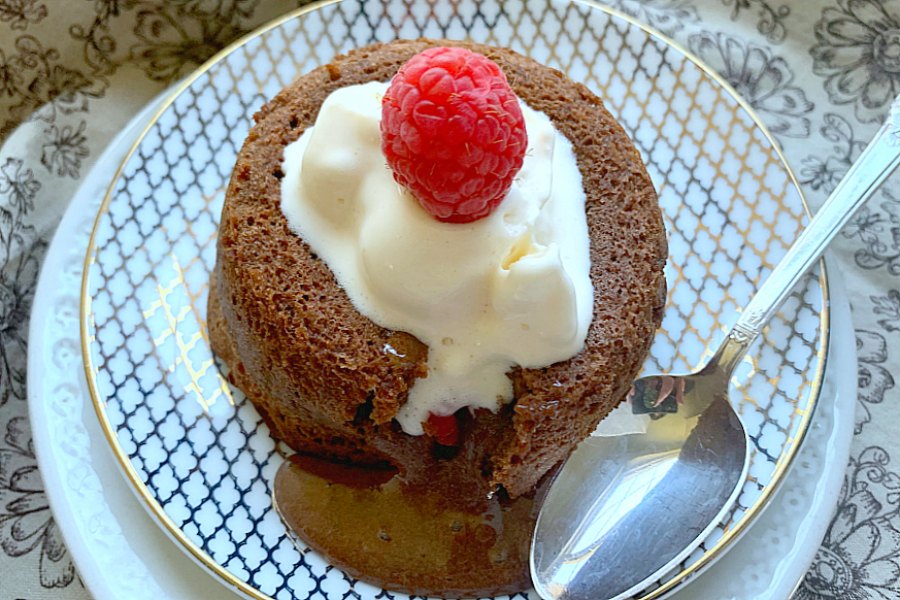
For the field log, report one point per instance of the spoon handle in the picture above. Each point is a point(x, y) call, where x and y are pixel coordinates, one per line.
point(875, 164)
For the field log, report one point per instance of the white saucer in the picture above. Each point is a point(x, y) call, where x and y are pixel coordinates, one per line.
point(120, 551)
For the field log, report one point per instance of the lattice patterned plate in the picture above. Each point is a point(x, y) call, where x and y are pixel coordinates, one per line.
point(195, 449)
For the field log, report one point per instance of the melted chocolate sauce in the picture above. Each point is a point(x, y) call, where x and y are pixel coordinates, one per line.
point(369, 524)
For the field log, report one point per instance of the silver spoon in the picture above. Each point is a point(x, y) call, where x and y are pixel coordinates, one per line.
point(624, 510)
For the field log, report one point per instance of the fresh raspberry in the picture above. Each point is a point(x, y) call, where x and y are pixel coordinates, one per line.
point(444, 429)
point(453, 133)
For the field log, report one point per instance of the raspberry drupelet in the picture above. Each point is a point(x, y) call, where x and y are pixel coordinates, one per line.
point(453, 133)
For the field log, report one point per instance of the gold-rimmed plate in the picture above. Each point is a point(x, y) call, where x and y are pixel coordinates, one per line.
point(198, 453)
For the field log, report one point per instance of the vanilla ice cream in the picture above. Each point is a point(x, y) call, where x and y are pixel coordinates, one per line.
point(511, 289)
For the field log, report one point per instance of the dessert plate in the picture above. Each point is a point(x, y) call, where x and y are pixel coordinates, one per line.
point(120, 552)
point(195, 450)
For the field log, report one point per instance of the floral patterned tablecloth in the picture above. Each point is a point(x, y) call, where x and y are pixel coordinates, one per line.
point(820, 73)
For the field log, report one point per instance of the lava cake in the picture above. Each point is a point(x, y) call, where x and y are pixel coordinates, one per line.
point(329, 381)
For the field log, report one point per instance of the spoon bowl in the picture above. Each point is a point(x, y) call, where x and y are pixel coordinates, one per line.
point(645, 481)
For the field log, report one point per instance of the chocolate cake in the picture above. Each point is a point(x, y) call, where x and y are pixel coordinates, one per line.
point(328, 381)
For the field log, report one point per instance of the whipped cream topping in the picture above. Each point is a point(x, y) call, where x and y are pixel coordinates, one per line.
point(513, 288)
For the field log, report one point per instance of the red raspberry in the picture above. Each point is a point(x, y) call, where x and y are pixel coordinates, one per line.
point(443, 428)
point(453, 133)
